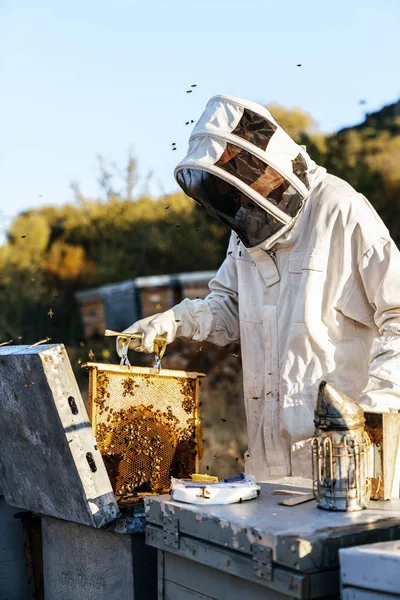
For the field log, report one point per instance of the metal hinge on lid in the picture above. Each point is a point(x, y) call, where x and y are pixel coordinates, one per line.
point(171, 531)
point(262, 556)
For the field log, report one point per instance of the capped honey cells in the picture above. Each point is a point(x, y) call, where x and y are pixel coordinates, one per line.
point(146, 424)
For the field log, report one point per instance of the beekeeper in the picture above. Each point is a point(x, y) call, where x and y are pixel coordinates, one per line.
point(310, 284)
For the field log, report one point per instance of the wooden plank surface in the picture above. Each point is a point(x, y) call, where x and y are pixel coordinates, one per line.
point(210, 583)
point(172, 591)
point(13, 571)
point(384, 432)
point(83, 563)
point(242, 566)
point(352, 593)
point(373, 566)
point(297, 499)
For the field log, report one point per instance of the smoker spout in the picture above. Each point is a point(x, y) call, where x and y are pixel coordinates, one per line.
point(336, 410)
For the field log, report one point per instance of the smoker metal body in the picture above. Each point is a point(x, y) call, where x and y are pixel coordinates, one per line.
point(146, 424)
point(340, 452)
point(259, 549)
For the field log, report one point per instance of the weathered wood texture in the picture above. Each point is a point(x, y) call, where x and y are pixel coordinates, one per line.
point(374, 567)
point(302, 537)
point(13, 572)
point(49, 462)
point(384, 432)
point(351, 593)
point(237, 565)
point(291, 551)
point(82, 563)
point(185, 579)
point(85, 564)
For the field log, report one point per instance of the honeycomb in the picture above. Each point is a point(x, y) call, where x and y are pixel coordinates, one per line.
point(146, 425)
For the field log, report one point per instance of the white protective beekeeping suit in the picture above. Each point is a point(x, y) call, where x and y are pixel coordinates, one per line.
point(310, 284)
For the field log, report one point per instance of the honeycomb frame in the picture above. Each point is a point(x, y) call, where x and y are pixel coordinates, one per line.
point(146, 424)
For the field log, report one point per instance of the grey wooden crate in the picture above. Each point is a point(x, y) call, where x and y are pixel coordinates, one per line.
point(289, 552)
point(83, 563)
point(184, 579)
point(373, 567)
point(49, 461)
point(13, 572)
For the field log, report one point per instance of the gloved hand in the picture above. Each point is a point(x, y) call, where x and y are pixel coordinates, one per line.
point(166, 324)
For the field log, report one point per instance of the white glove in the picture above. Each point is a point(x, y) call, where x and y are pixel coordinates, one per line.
point(166, 324)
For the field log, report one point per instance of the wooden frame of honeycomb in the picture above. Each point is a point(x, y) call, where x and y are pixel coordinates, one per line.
point(147, 425)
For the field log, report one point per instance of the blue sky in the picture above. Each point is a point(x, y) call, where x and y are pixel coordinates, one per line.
point(86, 78)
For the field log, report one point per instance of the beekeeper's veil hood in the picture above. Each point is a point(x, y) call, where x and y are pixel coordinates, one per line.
point(245, 170)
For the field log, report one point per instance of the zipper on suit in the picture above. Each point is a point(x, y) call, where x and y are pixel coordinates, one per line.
point(272, 254)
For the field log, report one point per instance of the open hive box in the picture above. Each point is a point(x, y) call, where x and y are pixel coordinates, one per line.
point(146, 424)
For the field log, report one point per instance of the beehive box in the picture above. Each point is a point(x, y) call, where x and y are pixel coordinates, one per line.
point(13, 569)
point(50, 464)
point(259, 549)
point(92, 313)
point(371, 571)
point(49, 460)
point(82, 563)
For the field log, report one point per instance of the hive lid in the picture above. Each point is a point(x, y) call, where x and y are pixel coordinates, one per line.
point(336, 410)
point(302, 538)
point(49, 461)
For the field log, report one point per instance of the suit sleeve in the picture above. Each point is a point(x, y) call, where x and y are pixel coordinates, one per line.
point(216, 318)
point(380, 273)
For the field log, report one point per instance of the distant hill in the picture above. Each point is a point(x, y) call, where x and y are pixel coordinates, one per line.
point(385, 119)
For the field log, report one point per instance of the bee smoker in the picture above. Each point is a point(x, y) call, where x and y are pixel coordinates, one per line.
point(340, 452)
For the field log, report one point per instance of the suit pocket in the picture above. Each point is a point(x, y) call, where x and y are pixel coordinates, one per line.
point(251, 291)
point(307, 274)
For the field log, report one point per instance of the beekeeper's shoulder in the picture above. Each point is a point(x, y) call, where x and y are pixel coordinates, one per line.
point(352, 208)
